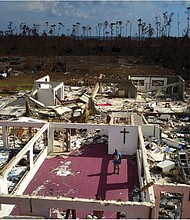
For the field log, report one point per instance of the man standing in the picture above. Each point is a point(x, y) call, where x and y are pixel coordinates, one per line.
point(116, 161)
point(108, 119)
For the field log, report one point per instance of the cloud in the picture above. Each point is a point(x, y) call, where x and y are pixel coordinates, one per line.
point(43, 7)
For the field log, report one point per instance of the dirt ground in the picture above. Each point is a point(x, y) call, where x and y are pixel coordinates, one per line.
point(74, 70)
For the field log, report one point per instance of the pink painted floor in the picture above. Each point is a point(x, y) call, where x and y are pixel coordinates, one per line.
point(92, 173)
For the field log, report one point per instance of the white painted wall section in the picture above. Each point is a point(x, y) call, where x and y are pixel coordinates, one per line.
point(151, 131)
point(124, 138)
point(59, 90)
point(46, 96)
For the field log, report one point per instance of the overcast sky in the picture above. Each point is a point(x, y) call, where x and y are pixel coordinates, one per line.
point(91, 13)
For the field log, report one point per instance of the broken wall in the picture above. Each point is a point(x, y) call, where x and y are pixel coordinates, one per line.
point(151, 131)
point(124, 138)
point(46, 90)
point(184, 190)
point(46, 96)
point(45, 79)
point(127, 89)
point(137, 119)
point(40, 206)
point(149, 82)
point(182, 87)
point(59, 91)
point(143, 170)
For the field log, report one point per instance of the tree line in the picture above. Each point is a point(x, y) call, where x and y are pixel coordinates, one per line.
point(104, 30)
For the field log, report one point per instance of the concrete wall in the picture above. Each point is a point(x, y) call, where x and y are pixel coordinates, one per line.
point(47, 90)
point(137, 119)
point(182, 88)
point(46, 96)
point(33, 167)
point(6, 124)
point(116, 139)
point(40, 206)
point(184, 190)
point(177, 87)
point(22, 184)
point(59, 91)
point(45, 79)
point(148, 82)
point(151, 131)
point(143, 169)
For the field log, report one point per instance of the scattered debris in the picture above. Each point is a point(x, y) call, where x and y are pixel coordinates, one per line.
point(63, 170)
point(170, 206)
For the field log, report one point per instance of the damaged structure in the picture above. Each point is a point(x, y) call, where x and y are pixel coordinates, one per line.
point(168, 86)
point(53, 169)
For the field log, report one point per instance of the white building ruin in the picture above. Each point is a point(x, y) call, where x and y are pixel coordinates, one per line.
point(130, 142)
point(162, 160)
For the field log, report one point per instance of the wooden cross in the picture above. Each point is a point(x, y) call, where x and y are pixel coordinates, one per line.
point(124, 132)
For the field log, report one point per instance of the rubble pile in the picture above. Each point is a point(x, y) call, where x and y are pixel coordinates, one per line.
point(39, 144)
point(14, 142)
point(168, 163)
point(73, 92)
point(4, 156)
point(14, 176)
point(170, 206)
point(12, 106)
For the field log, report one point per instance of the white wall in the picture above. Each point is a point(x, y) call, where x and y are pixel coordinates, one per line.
point(3, 185)
point(59, 90)
point(151, 131)
point(40, 206)
point(38, 82)
point(174, 188)
point(43, 85)
point(46, 96)
point(21, 186)
point(148, 82)
point(143, 170)
point(115, 139)
point(43, 79)
point(137, 119)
